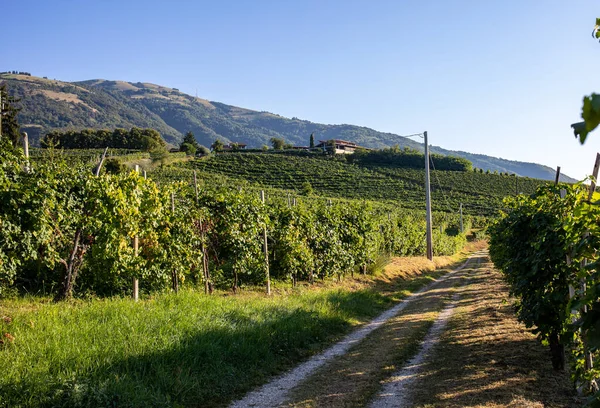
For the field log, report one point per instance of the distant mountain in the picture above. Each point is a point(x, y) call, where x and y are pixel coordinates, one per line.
point(49, 104)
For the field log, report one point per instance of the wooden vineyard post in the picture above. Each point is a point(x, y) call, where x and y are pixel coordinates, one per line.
point(595, 177)
point(557, 175)
point(101, 162)
point(174, 272)
point(26, 150)
point(196, 186)
point(461, 220)
point(205, 271)
point(265, 243)
point(589, 362)
point(136, 282)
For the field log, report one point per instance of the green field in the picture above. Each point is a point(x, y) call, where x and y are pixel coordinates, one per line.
point(185, 349)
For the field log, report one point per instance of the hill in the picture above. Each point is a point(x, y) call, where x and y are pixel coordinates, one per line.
point(480, 193)
point(50, 104)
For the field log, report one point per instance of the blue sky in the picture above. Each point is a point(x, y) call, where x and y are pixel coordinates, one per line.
point(499, 77)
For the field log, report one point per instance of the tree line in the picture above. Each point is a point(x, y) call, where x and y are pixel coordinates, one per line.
point(135, 138)
point(398, 157)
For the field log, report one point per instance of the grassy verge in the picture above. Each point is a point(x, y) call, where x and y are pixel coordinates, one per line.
point(177, 350)
point(486, 358)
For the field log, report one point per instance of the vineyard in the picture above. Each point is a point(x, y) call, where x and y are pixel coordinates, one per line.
point(65, 231)
point(547, 247)
point(480, 194)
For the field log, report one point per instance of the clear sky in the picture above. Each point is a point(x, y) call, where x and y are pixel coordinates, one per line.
point(499, 77)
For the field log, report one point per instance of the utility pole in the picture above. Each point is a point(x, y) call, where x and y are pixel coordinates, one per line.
point(428, 201)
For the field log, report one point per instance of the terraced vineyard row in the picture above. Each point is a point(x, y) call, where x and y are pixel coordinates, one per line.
point(480, 194)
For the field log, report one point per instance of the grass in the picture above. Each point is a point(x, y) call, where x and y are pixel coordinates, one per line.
point(177, 350)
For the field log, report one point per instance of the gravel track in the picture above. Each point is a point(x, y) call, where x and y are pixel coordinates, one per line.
point(394, 392)
point(275, 392)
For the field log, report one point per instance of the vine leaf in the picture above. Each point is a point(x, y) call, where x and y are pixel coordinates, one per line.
point(590, 113)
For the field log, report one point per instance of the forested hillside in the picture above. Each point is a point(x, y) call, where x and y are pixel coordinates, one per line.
point(48, 104)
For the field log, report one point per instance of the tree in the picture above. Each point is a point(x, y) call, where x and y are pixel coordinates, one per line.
point(159, 155)
point(217, 146)
point(203, 149)
point(188, 148)
point(189, 144)
point(277, 143)
point(590, 112)
point(10, 126)
point(312, 140)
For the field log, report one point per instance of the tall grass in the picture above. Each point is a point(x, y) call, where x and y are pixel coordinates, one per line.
point(187, 349)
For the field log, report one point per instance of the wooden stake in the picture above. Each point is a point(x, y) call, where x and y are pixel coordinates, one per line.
point(136, 282)
point(588, 360)
point(262, 198)
point(175, 278)
point(196, 186)
point(595, 176)
point(207, 287)
point(557, 175)
point(26, 150)
point(101, 162)
point(461, 220)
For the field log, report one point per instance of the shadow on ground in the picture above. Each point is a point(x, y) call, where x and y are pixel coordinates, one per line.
point(487, 359)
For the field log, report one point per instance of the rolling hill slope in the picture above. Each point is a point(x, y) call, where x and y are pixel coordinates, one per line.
point(50, 104)
point(480, 193)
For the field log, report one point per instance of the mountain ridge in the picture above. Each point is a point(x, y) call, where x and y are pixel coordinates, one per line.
point(98, 103)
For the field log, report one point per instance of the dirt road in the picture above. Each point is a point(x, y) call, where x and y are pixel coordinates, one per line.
point(456, 343)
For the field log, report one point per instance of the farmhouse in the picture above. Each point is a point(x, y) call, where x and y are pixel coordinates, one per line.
point(338, 146)
point(234, 146)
